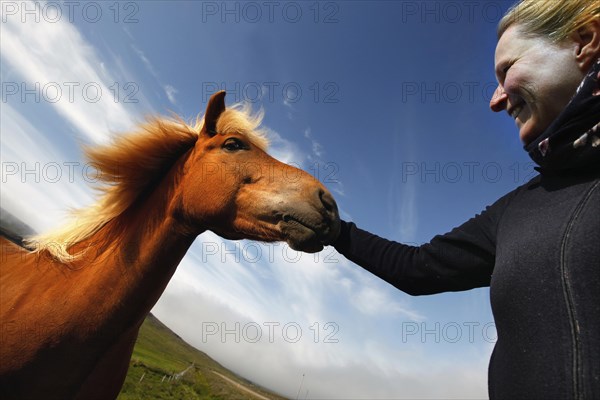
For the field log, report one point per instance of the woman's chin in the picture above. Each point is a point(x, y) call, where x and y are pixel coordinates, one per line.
point(528, 132)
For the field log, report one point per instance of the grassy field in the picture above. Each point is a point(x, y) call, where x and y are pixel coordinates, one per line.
point(159, 354)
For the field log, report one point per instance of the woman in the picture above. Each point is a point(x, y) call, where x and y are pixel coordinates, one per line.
point(538, 247)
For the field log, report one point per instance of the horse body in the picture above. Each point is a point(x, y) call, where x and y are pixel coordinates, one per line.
point(68, 329)
point(70, 314)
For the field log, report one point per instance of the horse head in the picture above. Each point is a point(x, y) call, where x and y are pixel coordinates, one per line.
point(231, 186)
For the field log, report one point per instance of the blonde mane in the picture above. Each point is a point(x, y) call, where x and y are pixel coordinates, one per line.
point(132, 164)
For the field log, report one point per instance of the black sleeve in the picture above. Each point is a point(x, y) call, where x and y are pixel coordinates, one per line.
point(459, 260)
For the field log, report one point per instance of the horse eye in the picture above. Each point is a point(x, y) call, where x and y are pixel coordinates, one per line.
point(233, 144)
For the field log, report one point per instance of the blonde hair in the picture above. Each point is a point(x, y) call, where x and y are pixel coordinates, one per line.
point(132, 164)
point(555, 19)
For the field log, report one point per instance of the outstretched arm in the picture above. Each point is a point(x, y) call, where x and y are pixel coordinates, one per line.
point(459, 260)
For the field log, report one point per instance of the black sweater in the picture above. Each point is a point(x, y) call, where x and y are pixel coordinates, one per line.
point(538, 248)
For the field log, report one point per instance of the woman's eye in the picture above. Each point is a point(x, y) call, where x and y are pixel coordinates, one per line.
point(503, 72)
point(507, 67)
point(234, 145)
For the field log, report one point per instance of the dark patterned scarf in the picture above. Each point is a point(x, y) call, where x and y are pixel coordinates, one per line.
point(573, 139)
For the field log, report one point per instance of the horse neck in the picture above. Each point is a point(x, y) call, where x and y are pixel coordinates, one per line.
point(139, 252)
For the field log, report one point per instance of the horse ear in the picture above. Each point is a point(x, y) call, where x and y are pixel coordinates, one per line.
point(216, 105)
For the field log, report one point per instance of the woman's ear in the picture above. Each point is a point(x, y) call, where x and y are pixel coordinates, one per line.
point(588, 44)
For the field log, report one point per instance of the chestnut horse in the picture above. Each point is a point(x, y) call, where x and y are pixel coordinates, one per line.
point(71, 309)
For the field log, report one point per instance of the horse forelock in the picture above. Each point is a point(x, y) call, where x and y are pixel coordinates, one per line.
point(132, 164)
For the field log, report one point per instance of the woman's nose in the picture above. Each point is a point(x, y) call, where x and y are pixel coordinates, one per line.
point(498, 101)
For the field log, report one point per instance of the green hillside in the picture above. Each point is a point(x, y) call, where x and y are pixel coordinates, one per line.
point(159, 354)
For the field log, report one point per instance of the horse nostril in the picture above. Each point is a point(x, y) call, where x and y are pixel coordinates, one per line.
point(327, 201)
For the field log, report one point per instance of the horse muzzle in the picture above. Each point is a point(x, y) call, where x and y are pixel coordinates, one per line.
point(310, 225)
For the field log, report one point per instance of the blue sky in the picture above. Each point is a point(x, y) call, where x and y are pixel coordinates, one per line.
point(385, 102)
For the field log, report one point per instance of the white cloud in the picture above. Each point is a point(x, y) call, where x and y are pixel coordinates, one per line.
point(275, 314)
point(170, 91)
point(284, 150)
point(317, 148)
point(145, 61)
point(407, 220)
point(38, 181)
point(326, 171)
point(66, 75)
point(288, 104)
point(371, 300)
point(276, 340)
point(403, 192)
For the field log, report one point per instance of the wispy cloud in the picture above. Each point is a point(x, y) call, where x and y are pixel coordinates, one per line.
point(371, 300)
point(292, 329)
point(317, 148)
point(403, 192)
point(169, 90)
point(327, 171)
point(406, 216)
point(85, 98)
point(284, 150)
point(70, 85)
point(145, 61)
point(38, 183)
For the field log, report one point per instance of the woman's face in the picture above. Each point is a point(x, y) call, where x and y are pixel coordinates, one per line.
point(536, 80)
